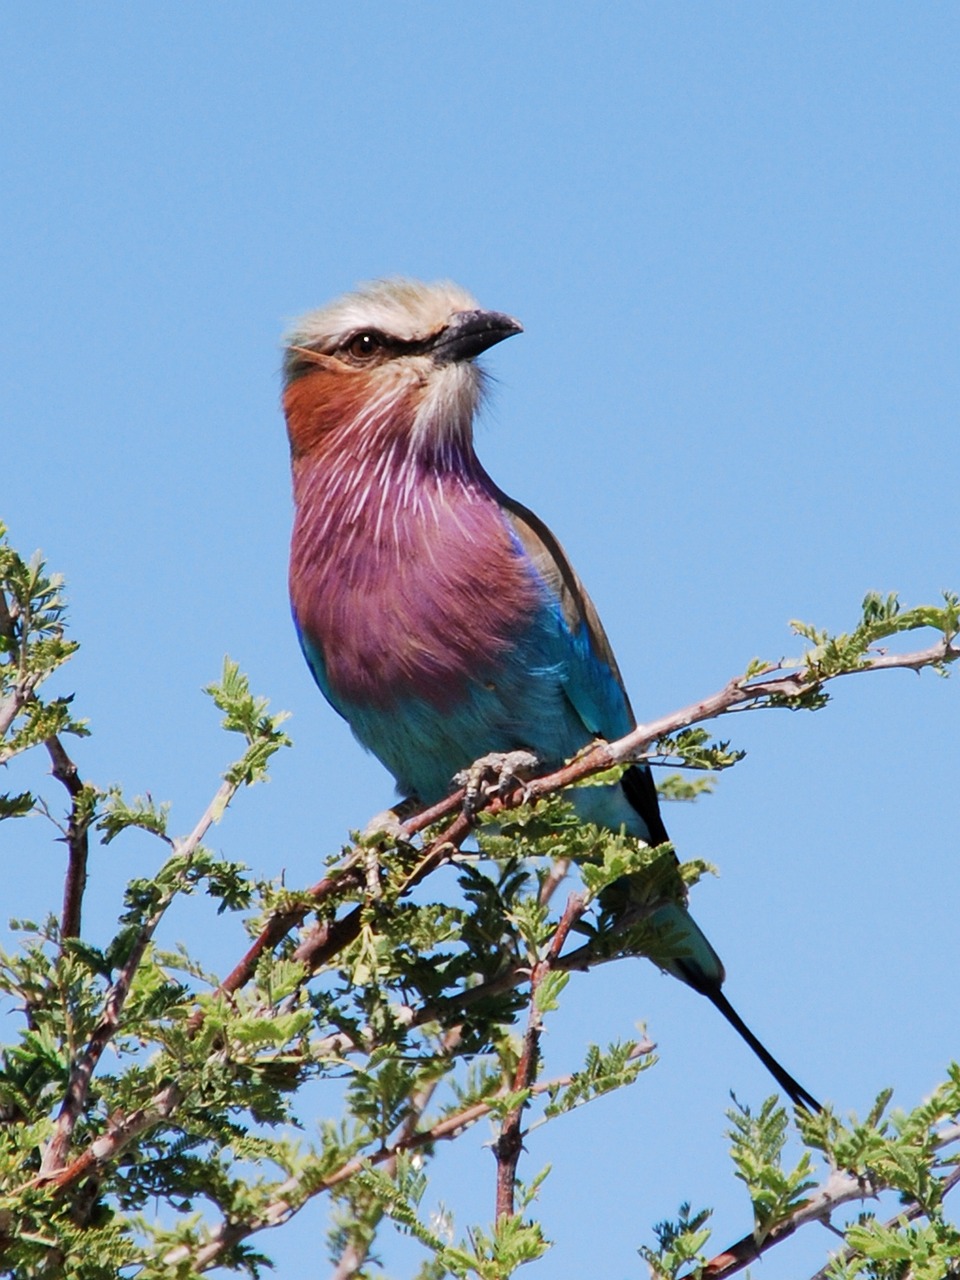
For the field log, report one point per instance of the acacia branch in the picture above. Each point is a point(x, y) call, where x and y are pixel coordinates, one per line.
point(77, 837)
point(909, 1214)
point(741, 693)
point(12, 705)
point(292, 1195)
point(121, 1131)
point(355, 1254)
point(25, 683)
point(738, 694)
point(81, 1073)
point(350, 875)
point(839, 1189)
point(508, 1146)
point(64, 770)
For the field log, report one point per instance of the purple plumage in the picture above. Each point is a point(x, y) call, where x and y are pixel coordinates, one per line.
point(406, 575)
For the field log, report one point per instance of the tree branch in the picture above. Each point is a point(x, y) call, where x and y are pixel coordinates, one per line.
point(78, 844)
point(288, 1202)
point(910, 1214)
point(81, 1074)
point(739, 693)
point(840, 1188)
point(355, 1253)
point(24, 685)
point(328, 939)
point(508, 1146)
point(121, 1132)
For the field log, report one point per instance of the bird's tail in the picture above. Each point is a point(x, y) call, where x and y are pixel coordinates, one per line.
point(795, 1091)
point(701, 968)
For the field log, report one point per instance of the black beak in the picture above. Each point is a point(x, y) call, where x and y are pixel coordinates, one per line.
point(471, 332)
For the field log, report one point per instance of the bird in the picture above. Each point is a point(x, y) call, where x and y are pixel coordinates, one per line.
point(438, 616)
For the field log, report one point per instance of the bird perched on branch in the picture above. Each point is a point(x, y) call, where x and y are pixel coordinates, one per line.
point(439, 617)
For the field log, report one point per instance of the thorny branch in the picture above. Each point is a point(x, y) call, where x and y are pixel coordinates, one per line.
point(293, 1194)
point(64, 770)
point(328, 938)
point(738, 694)
point(77, 838)
point(81, 1073)
point(508, 1146)
point(121, 1132)
point(839, 1189)
point(741, 693)
point(24, 685)
point(910, 1214)
point(355, 1253)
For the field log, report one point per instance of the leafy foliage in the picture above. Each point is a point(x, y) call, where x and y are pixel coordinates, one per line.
point(32, 648)
point(757, 1151)
point(172, 1152)
point(680, 1244)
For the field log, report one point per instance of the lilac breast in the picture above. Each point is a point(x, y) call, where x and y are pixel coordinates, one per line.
point(410, 589)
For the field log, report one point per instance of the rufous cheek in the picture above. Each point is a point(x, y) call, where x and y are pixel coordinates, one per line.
point(326, 400)
point(315, 403)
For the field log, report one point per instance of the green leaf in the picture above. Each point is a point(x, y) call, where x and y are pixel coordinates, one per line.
point(247, 715)
point(16, 806)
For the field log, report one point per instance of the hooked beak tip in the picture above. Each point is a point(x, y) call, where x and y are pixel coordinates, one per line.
point(469, 333)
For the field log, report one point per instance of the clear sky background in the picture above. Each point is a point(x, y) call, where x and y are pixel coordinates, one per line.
point(731, 232)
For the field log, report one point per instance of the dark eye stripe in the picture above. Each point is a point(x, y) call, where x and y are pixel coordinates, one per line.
point(366, 343)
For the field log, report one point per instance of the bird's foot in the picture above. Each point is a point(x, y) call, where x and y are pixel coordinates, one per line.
point(494, 774)
point(384, 831)
point(371, 873)
point(388, 825)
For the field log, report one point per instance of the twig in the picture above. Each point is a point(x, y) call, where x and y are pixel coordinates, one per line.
point(280, 924)
point(13, 704)
point(329, 937)
point(553, 879)
point(78, 844)
point(64, 770)
point(579, 961)
point(354, 1255)
point(328, 940)
point(55, 1154)
point(909, 1214)
point(737, 693)
point(508, 1146)
point(293, 1194)
point(121, 1132)
point(26, 681)
point(840, 1188)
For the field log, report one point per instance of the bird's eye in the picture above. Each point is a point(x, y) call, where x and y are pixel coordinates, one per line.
point(364, 345)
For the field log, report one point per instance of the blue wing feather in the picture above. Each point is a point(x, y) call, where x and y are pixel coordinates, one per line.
point(591, 677)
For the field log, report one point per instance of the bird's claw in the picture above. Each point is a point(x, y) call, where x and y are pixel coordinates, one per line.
point(388, 824)
point(383, 824)
point(494, 774)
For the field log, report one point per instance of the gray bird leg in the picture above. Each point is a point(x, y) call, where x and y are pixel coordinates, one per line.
point(494, 774)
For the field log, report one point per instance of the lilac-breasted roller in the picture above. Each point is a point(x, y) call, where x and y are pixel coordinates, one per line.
point(439, 617)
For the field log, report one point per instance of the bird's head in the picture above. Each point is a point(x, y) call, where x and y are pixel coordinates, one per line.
point(392, 362)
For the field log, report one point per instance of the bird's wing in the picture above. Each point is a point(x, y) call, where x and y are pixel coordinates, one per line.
point(593, 682)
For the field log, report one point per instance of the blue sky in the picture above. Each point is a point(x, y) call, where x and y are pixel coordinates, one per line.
point(731, 235)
